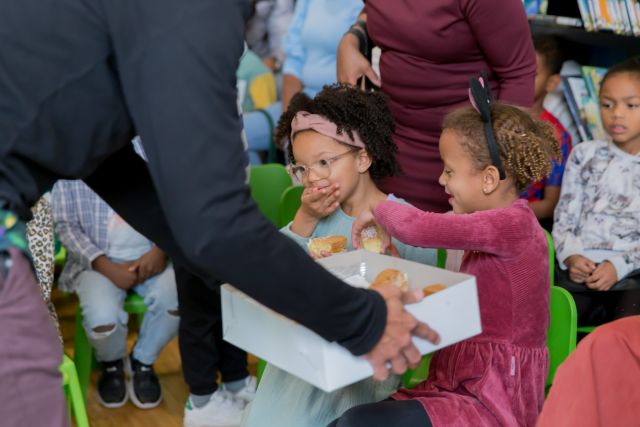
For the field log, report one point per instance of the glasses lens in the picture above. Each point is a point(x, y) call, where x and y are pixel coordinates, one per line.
point(322, 169)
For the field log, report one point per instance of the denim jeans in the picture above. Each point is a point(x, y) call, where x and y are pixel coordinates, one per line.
point(102, 304)
point(258, 131)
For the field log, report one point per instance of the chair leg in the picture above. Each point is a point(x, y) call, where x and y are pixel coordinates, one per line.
point(83, 356)
point(261, 365)
point(76, 398)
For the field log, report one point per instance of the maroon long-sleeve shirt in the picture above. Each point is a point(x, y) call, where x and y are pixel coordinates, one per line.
point(430, 50)
point(496, 378)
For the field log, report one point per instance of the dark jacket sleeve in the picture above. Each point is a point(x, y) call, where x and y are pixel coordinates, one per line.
point(178, 76)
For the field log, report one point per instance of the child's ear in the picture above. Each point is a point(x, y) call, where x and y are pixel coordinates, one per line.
point(490, 179)
point(552, 83)
point(364, 161)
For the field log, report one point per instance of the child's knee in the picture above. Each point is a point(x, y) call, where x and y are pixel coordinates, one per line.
point(102, 331)
point(163, 297)
point(104, 320)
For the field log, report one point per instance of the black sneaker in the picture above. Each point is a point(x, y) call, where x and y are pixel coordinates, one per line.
point(143, 385)
point(112, 390)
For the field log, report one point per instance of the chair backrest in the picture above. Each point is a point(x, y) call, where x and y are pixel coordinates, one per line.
point(552, 257)
point(289, 204)
point(561, 336)
point(267, 183)
point(441, 258)
point(413, 377)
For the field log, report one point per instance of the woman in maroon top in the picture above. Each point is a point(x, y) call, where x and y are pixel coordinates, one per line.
point(430, 50)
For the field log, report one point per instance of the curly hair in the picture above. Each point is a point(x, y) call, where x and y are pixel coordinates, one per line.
point(351, 110)
point(526, 145)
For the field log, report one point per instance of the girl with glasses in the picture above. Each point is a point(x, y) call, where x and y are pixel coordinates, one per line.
point(340, 146)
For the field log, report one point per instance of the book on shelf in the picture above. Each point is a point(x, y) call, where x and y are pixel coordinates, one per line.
point(633, 8)
point(575, 90)
point(582, 96)
point(593, 77)
point(586, 15)
point(535, 7)
point(617, 16)
point(565, 21)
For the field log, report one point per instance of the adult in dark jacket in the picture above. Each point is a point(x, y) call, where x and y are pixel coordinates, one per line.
point(78, 79)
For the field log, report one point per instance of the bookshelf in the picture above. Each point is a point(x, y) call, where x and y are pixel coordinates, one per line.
point(600, 48)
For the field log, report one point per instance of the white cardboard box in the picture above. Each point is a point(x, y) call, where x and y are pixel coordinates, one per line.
point(453, 312)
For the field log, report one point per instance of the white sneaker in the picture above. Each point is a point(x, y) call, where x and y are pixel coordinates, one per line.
point(246, 393)
point(222, 410)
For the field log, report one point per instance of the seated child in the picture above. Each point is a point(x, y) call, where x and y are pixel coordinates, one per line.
point(543, 195)
point(107, 259)
point(497, 377)
point(256, 83)
point(341, 146)
point(597, 221)
point(257, 99)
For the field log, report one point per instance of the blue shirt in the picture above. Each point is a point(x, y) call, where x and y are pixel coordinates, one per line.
point(312, 41)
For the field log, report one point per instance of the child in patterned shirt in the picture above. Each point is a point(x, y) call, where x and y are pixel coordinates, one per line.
point(597, 220)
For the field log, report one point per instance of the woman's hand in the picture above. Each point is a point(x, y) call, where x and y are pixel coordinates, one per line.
point(351, 64)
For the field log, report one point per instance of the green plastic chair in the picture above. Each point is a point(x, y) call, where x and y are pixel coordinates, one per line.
point(561, 335)
point(441, 258)
point(552, 257)
point(60, 257)
point(83, 354)
point(413, 377)
point(289, 204)
point(267, 183)
point(586, 329)
point(73, 392)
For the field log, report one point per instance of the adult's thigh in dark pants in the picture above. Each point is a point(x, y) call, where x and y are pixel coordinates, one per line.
point(202, 349)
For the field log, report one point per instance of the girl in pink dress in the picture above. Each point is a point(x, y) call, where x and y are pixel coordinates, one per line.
point(498, 377)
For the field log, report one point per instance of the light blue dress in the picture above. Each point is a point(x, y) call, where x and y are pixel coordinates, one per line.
point(284, 400)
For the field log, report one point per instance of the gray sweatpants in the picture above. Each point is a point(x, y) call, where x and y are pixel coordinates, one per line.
point(30, 384)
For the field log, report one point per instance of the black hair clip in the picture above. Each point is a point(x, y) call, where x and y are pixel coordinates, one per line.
point(481, 99)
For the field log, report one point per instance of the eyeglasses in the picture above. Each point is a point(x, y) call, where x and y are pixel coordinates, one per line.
point(322, 168)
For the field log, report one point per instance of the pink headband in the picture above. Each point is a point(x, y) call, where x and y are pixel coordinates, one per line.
point(304, 120)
